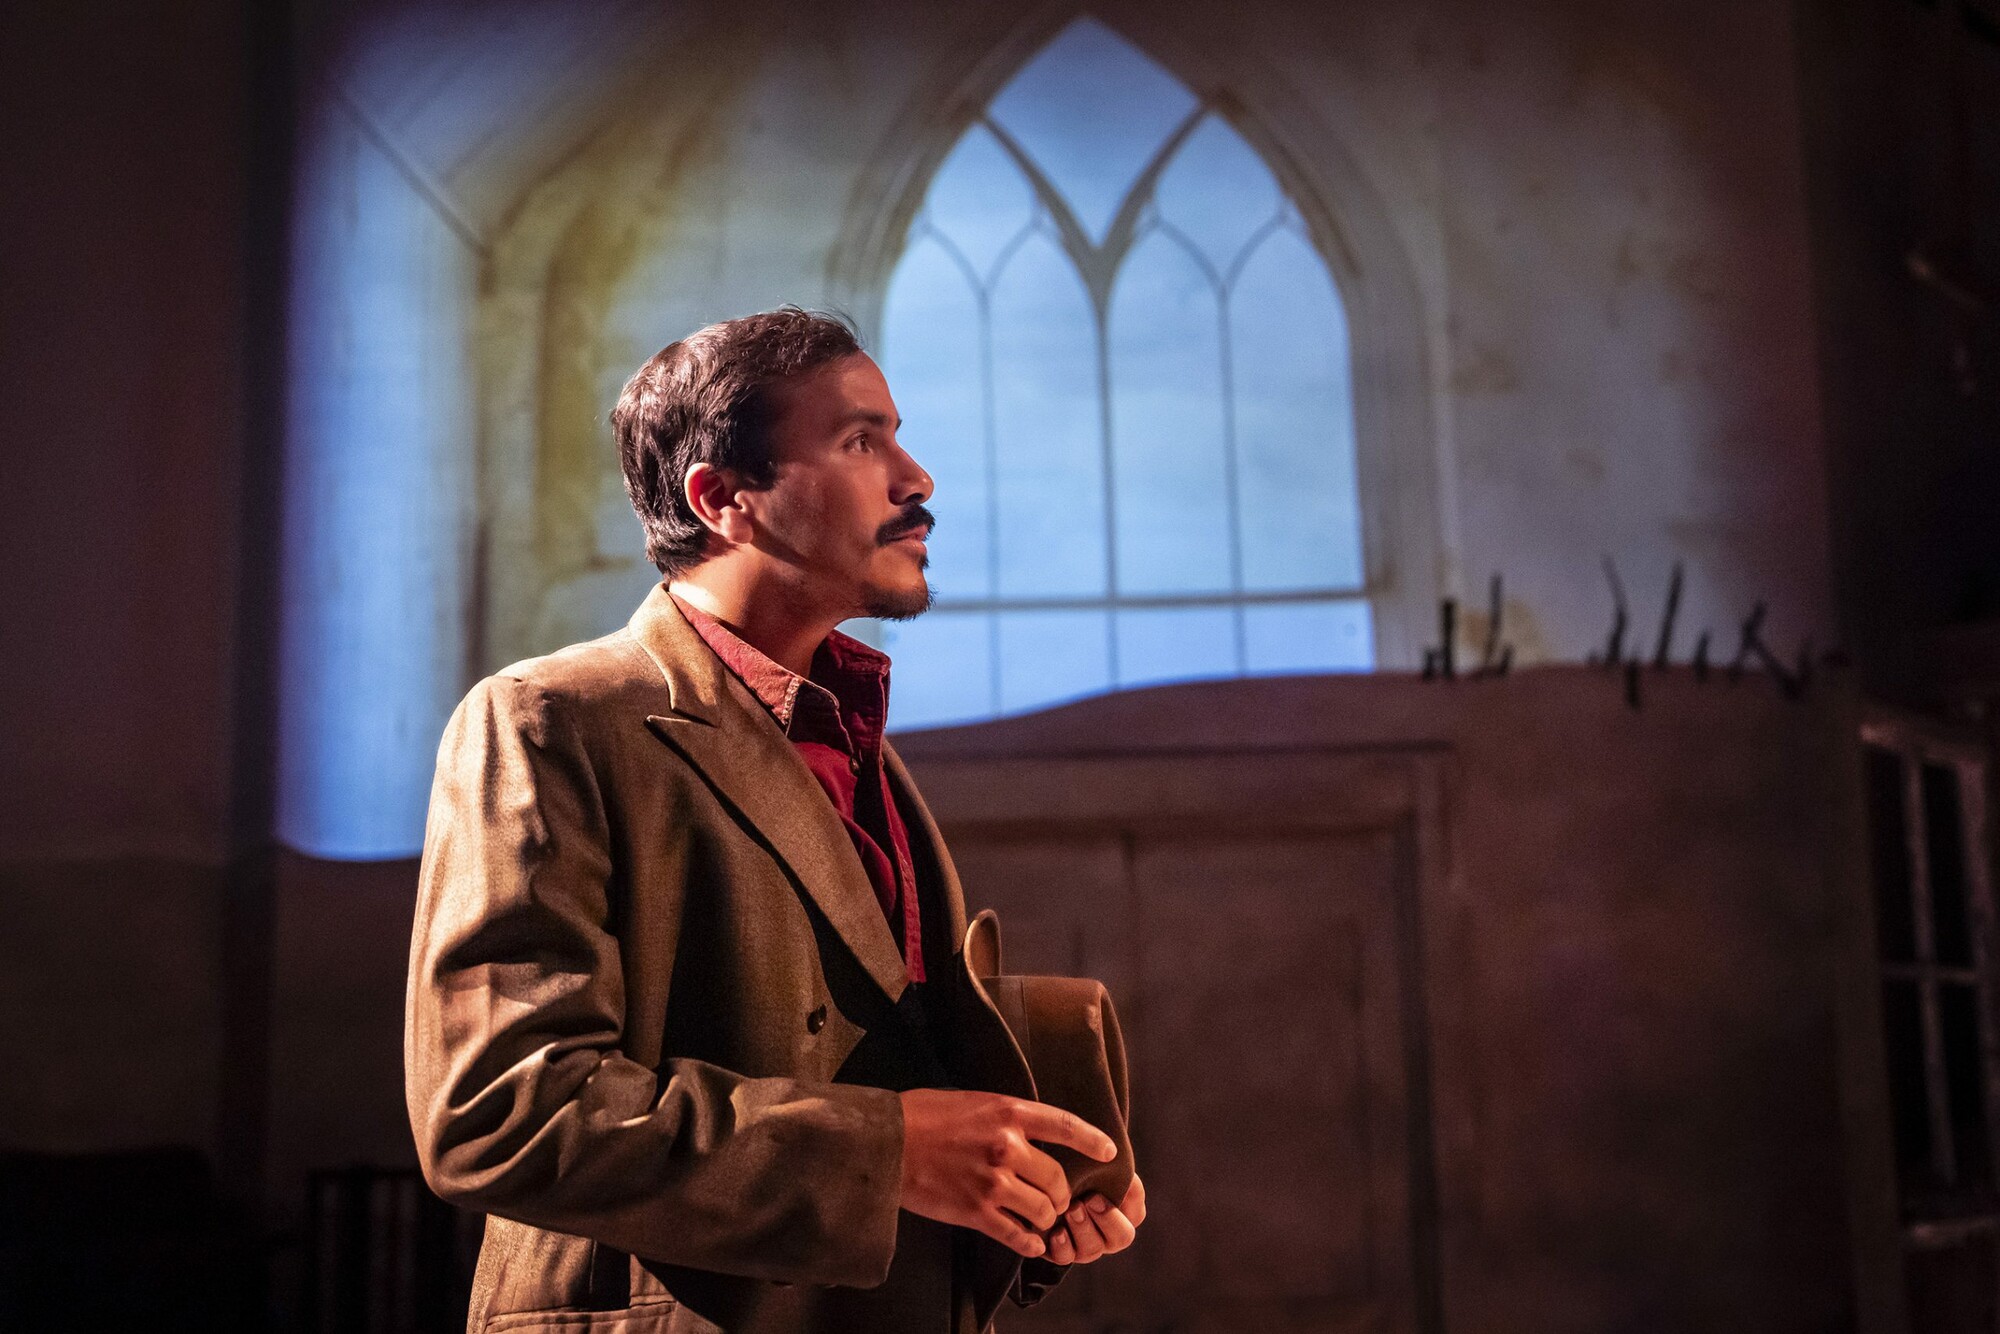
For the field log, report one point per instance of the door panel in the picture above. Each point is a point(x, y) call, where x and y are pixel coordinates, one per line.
point(1256, 974)
point(1273, 1118)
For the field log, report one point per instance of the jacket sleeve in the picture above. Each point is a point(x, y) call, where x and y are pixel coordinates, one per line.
point(522, 1102)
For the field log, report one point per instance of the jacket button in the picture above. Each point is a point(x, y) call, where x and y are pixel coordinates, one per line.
point(816, 1020)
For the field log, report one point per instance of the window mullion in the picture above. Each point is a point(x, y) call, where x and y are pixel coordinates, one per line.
point(990, 424)
point(1123, 232)
point(1233, 515)
point(1110, 473)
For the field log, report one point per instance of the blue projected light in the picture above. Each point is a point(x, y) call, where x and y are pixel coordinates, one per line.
point(1127, 369)
point(379, 507)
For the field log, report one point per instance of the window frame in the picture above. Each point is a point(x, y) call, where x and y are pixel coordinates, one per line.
point(1099, 266)
point(1935, 1219)
point(1397, 449)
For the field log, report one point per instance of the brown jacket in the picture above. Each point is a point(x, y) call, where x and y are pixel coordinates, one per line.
point(656, 1016)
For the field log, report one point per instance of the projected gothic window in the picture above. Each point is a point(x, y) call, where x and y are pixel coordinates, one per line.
point(1125, 365)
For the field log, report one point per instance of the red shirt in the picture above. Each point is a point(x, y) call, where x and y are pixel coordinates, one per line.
point(835, 718)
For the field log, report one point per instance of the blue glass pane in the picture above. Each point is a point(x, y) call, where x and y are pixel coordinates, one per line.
point(1300, 512)
point(930, 356)
point(941, 668)
point(1167, 424)
point(1049, 427)
point(1046, 656)
point(979, 200)
point(1309, 637)
point(1091, 110)
point(1218, 192)
point(1175, 644)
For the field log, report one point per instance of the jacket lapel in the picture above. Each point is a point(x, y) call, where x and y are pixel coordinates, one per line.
point(721, 729)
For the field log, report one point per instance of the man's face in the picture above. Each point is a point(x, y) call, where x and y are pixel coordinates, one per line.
point(845, 509)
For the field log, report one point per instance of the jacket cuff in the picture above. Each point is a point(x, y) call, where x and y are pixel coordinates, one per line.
point(863, 1209)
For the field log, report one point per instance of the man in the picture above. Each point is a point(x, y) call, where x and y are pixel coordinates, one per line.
point(677, 1016)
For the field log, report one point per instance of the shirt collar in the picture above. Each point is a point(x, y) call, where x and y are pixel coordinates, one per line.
point(847, 676)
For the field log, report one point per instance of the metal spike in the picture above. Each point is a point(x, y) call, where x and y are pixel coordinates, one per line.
point(1661, 653)
point(1448, 631)
point(1614, 649)
point(1750, 641)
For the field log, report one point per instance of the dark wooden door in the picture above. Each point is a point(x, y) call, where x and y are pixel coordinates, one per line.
point(1262, 973)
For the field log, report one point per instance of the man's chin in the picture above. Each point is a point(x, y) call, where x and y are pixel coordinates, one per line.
point(899, 604)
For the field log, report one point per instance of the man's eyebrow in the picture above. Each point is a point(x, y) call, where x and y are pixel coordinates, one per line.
point(864, 415)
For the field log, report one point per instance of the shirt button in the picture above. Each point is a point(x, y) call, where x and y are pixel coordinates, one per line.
point(816, 1020)
point(854, 764)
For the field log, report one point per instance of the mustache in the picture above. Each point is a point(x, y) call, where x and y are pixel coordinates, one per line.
point(916, 519)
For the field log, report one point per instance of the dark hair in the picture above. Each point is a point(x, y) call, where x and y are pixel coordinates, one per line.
point(707, 399)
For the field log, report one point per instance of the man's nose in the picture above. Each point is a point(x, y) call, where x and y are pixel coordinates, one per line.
point(912, 484)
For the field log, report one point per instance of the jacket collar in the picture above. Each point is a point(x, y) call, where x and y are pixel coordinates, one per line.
point(731, 739)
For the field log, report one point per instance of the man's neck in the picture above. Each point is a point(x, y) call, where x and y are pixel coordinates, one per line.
point(768, 616)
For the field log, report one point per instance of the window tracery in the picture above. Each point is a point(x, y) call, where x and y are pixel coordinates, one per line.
point(1126, 366)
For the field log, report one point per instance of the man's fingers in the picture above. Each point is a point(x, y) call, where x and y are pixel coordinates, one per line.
point(1098, 1229)
point(1117, 1230)
point(1004, 1228)
point(1087, 1240)
point(1061, 1249)
point(1029, 1201)
point(1053, 1125)
point(1045, 1174)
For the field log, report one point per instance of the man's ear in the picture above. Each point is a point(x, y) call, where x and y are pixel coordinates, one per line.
point(716, 497)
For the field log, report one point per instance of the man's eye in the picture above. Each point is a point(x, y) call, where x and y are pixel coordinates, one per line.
point(859, 442)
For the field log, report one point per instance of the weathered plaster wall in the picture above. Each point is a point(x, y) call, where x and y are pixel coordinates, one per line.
point(1571, 238)
point(1630, 368)
point(1591, 215)
point(1599, 210)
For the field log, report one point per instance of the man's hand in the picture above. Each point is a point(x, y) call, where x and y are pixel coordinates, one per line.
point(1094, 1227)
point(967, 1160)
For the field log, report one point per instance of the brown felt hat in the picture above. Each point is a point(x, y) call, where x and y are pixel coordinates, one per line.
point(1053, 1039)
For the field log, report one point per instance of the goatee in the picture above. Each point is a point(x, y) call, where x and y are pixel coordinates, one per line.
point(901, 604)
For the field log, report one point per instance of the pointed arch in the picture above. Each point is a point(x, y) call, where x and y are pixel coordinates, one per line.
point(1185, 475)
